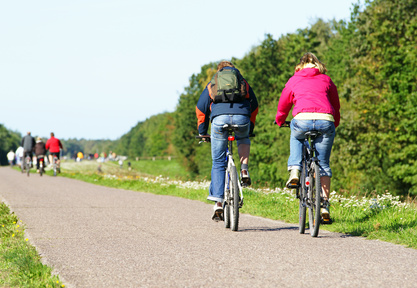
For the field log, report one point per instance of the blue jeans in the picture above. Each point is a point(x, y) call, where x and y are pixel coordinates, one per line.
point(218, 150)
point(323, 143)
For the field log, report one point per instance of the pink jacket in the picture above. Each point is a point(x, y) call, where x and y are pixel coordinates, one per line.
point(309, 91)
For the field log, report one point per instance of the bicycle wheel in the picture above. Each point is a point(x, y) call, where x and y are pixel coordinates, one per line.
point(40, 168)
point(54, 169)
point(234, 208)
point(28, 168)
point(302, 207)
point(226, 205)
point(314, 195)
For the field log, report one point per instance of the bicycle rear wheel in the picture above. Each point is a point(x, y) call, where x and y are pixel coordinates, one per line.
point(226, 203)
point(234, 208)
point(302, 207)
point(314, 195)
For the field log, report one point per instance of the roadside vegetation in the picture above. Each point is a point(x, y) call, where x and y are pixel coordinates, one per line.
point(20, 264)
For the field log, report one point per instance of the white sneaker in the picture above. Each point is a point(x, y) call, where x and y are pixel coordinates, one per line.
point(244, 176)
point(294, 178)
point(218, 212)
point(325, 215)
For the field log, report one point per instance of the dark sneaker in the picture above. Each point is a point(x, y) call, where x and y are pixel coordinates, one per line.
point(218, 212)
point(245, 178)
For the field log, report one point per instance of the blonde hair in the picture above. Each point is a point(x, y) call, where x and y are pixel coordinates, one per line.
point(310, 60)
point(223, 64)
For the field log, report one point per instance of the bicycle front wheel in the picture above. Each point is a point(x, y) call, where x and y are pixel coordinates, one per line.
point(234, 207)
point(314, 195)
point(302, 207)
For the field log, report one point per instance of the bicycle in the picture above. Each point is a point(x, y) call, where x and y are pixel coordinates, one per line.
point(26, 164)
point(41, 159)
point(55, 167)
point(233, 195)
point(308, 190)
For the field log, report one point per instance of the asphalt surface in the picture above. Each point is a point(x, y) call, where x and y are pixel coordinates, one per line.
point(95, 236)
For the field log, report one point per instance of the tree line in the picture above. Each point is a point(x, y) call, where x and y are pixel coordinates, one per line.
point(372, 60)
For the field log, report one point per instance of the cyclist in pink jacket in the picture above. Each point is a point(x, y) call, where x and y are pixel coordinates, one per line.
point(316, 107)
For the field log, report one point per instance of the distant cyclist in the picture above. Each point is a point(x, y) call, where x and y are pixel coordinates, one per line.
point(227, 99)
point(40, 151)
point(54, 146)
point(28, 143)
point(316, 107)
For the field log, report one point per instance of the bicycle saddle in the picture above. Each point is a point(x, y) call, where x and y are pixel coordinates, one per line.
point(230, 127)
point(313, 133)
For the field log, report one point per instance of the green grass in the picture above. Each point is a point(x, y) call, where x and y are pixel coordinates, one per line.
point(20, 264)
point(381, 217)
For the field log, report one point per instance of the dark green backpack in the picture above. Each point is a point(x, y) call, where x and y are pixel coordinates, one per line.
point(228, 86)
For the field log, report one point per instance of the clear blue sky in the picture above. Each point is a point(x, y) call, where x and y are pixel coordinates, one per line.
point(94, 68)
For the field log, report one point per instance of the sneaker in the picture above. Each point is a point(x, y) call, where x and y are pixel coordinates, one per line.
point(245, 178)
point(294, 178)
point(325, 215)
point(218, 212)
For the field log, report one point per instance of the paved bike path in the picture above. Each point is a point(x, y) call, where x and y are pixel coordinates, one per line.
point(95, 236)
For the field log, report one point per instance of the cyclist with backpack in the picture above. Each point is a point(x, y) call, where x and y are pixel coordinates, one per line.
point(316, 107)
point(227, 99)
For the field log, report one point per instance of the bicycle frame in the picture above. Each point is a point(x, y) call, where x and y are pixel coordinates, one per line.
point(308, 190)
point(231, 165)
point(233, 195)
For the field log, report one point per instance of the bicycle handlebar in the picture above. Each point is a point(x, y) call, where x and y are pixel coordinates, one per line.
point(285, 124)
point(208, 137)
point(204, 138)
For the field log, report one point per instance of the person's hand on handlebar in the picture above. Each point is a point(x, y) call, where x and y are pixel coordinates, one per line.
point(205, 138)
point(285, 124)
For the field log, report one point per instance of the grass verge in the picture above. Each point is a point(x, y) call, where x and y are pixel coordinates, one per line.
point(20, 264)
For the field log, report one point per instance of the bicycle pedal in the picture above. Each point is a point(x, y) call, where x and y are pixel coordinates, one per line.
point(327, 221)
point(293, 186)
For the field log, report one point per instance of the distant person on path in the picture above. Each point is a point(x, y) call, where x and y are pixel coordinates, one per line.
point(80, 156)
point(28, 144)
point(316, 107)
point(40, 152)
point(19, 155)
point(237, 106)
point(11, 158)
point(54, 146)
